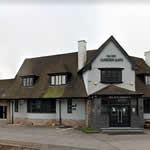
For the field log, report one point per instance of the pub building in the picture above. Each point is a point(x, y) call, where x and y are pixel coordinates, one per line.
point(103, 88)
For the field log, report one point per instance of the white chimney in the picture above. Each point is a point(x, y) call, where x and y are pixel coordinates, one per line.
point(82, 54)
point(147, 57)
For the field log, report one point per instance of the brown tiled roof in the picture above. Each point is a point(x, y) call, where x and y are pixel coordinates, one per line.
point(114, 90)
point(142, 67)
point(142, 70)
point(5, 86)
point(42, 66)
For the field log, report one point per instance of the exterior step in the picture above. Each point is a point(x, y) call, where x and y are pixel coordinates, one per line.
point(121, 130)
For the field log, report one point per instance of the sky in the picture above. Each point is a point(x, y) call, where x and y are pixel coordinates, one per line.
point(46, 27)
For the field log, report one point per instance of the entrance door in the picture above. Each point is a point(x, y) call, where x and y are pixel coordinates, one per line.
point(3, 112)
point(119, 116)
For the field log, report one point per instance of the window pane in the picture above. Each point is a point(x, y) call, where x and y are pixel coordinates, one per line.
point(48, 106)
point(41, 106)
point(60, 79)
point(146, 106)
point(36, 106)
point(63, 79)
point(30, 81)
point(53, 106)
point(69, 105)
point(27, 82)
point(103, 75)
point(148, 80)
point(24, 82)
point(16, 106)
point(111, 76)
point(29, 106)
point(52, 80)
point(57, 80)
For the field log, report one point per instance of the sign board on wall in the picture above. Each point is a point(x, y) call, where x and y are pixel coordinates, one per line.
point(111, 58)
point(74, 107)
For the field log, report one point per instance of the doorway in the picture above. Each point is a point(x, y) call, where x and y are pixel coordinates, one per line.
point(119, 115)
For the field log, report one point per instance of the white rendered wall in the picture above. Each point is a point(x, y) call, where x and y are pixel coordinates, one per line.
point(85, 79)
point(22, 113)
point(94, 75)
point(78, 114)
point(147, 116)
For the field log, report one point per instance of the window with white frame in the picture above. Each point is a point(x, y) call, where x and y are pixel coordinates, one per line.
point(58, 79)
point(28, 81)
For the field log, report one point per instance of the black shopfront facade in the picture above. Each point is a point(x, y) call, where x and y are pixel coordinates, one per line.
point(116, 111)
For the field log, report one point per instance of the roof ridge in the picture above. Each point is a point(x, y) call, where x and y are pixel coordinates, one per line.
point(137, 57)
point(58, 54)
point(6, 79)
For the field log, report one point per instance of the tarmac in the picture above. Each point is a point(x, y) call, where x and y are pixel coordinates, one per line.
point(47, 138)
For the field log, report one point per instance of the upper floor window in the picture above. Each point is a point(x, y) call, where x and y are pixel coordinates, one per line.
point(111, 75)
point(28, 81)
point(147, 80)
point(59, 79)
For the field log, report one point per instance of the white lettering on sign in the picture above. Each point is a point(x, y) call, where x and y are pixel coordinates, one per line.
point(111, 58)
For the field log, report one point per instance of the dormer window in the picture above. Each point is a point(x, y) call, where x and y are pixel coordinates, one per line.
point(28, 81)
point(59, 79)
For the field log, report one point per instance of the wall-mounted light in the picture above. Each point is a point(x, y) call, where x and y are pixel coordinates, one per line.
point(133, 109)
point(131, 83)
point(95, 83)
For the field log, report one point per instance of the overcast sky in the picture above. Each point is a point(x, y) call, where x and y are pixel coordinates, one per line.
point(39, 28)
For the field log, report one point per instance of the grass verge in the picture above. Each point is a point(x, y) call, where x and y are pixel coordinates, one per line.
point(89, 130)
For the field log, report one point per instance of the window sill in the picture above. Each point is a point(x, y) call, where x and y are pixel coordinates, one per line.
point(27, 86)
point(42, 112)
point(59, 85)
point(111, 82)
point(147, 85)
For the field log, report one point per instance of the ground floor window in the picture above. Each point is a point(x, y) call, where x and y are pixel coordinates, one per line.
point(69, 105)
point(146, 106)
point(41, 106)
point(3, 112)
point(16, 106)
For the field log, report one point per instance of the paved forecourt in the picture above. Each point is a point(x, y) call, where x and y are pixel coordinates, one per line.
point(65, 139)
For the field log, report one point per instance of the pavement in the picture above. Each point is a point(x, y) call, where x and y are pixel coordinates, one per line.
point(46, 138)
